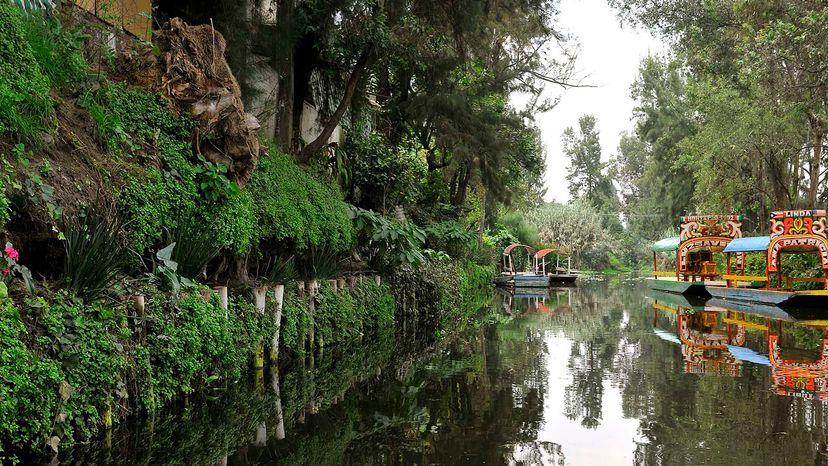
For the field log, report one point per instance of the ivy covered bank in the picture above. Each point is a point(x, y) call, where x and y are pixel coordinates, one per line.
point(155, 246)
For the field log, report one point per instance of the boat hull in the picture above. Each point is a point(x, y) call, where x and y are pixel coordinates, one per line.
point(750, 295)
point(531, 281)
point(563, 278)
point(676, 286)
point(816, 300)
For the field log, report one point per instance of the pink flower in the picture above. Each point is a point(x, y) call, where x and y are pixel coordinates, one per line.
point(12, 253)
point(6, 271)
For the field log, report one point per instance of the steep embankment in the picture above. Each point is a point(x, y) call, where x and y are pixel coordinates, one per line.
point(131, 179)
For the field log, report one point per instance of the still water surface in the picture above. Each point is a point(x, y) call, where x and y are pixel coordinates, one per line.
point(602, 374)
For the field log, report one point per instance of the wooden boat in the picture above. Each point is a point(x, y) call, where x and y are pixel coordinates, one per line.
point(792, 231)
point(540, 274)
point(700, 237)
point(556, 274)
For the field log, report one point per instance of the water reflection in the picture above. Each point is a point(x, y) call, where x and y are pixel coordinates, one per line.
point(599, 374)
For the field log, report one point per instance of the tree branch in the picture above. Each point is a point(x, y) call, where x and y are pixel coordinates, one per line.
point(350, 89)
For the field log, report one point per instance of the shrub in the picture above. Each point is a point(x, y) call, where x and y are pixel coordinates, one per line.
point(25, 105)
point(385, 243)
point(294, 207)
point(451, 237)
point(87, 343)
point(194, 248)
point(28, 387)
point(193, 341)
point(185, 186)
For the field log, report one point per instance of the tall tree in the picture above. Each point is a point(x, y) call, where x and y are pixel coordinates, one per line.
point(583, 148)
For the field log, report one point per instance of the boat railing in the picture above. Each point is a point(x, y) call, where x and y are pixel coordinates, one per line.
point(733, 280)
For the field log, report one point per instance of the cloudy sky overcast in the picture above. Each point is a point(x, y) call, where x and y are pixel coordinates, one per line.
point(609, 57)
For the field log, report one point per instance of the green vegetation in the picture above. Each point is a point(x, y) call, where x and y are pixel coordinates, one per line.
point(294, 207)
point(25, 105)
point(28, 389)
point(132, 121)
point(338, 317)
point(93, 256)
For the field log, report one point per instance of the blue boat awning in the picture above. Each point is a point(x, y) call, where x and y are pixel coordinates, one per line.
point(755, 243)
point(666, 245)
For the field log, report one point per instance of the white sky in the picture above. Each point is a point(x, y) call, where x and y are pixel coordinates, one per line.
point(609, 59)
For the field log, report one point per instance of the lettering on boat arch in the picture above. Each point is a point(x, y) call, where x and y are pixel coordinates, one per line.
point(797, 229)
point(706, 231)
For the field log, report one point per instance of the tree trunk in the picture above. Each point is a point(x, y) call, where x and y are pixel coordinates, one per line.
point(350, 89)
point(815, 164)
point(284, 115)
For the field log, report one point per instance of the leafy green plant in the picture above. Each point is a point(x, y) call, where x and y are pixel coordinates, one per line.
point(213, 180)
point(28, 387)
point(281, 271)
point(386, 243)
point(25, 105)
point(194, 248)
point(93, 255)
point(451, 237)
point(167, 270)
point(86, 341)
point(296, 208)
point(322, 263)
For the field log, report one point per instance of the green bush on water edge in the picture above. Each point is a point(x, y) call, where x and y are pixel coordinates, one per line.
point(69, 362)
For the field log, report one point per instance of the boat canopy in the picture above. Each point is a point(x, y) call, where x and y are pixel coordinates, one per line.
point(752, 244)
point(666, 245)
point(543, 252)
point(512, 247)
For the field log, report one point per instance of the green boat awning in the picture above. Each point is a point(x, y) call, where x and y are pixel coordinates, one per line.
point(666, 245)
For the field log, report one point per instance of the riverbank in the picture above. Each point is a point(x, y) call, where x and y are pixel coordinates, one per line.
point(74, 370)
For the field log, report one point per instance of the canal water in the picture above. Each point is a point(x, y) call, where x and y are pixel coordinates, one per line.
point(603, 374)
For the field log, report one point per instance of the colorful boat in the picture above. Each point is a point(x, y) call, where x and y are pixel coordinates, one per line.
point(536, 272)
point(700, 237)
point(792, 231)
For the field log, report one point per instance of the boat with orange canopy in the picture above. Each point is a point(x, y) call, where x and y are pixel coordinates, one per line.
point(523, 266)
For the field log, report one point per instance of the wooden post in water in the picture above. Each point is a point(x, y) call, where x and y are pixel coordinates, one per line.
point(280, 420)
point(279, 295)
point(260, 300)
point(140, 309)
point(222, 292)
point(261, 435)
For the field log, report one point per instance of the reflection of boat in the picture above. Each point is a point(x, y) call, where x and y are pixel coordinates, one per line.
point(714, 341)
point(798, 373)
point(533, 300)
point(792, 231)
point(700, 237)
point(538, 273)
point(706, 350)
